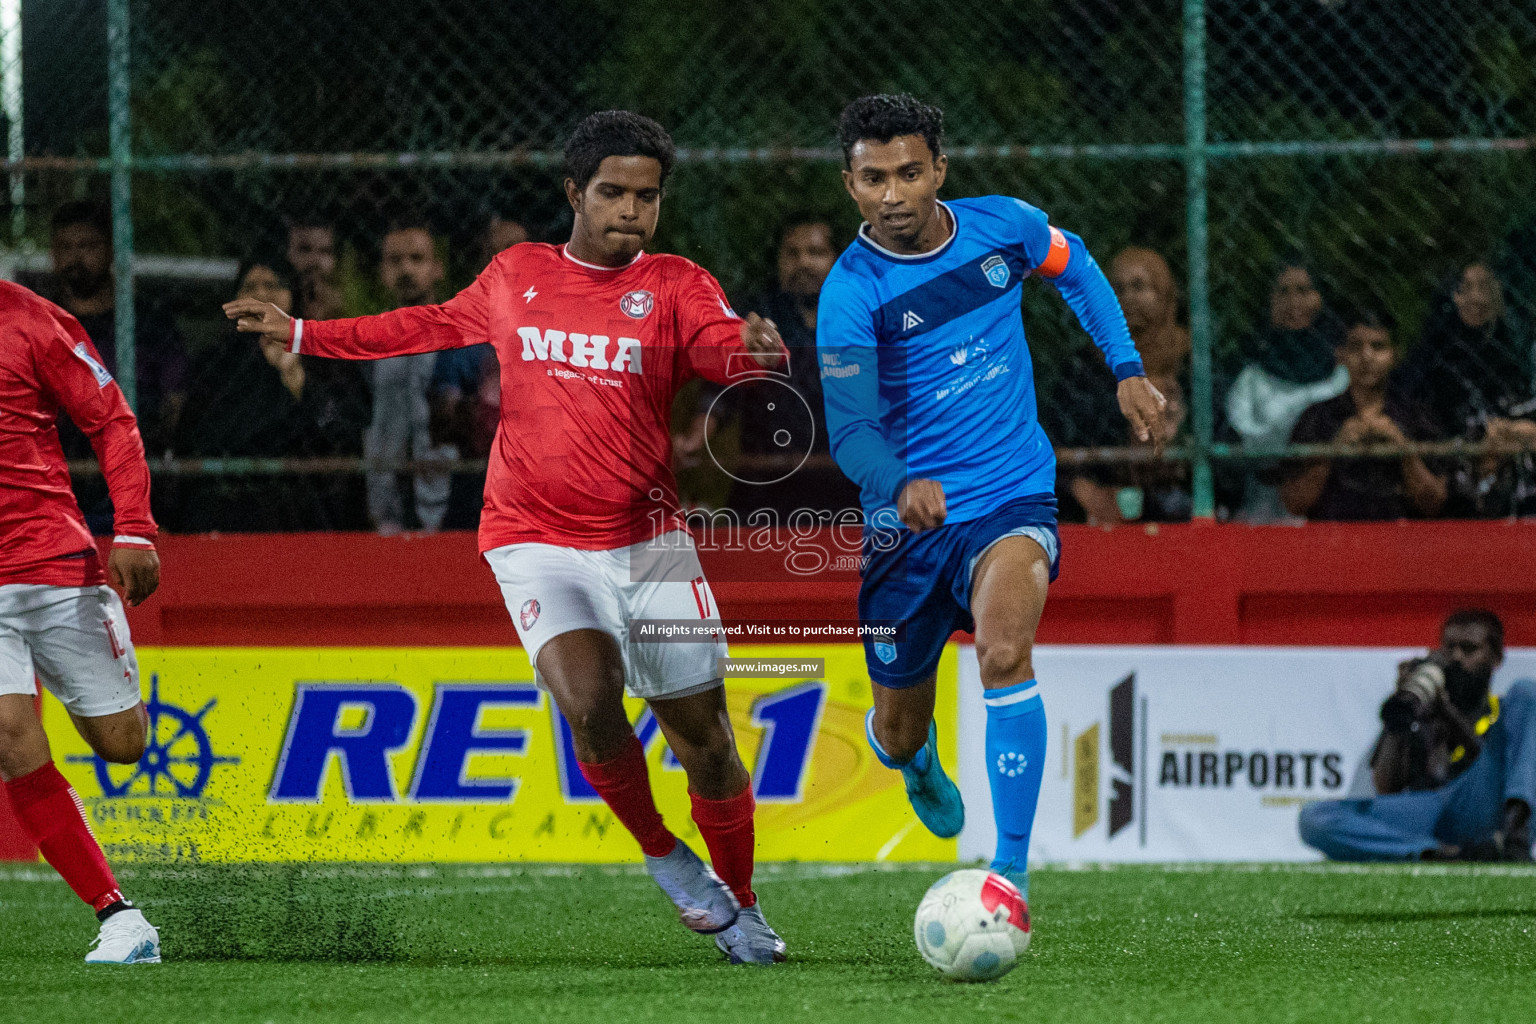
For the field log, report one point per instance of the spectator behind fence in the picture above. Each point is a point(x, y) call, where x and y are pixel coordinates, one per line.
point(312, 254)
point(1368, 412)
point(1472, 372)
point(1290, 366)
point(401, 425)
point(1148, 491)
point(80, 240)
point(465, 394)
point(1453, 773)
point(248, 403)
point(777, 428)
point(501, 233)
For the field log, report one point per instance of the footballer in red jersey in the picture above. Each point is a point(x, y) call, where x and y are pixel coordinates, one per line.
point(59, 621)
point(582, 525)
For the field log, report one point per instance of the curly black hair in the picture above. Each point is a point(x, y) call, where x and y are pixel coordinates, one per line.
point(886, 116)
point(616, 133)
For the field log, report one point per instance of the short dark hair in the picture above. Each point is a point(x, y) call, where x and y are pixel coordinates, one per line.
point(1479, 617)
point(83, 211)
point(616, 133)
point(1364, 314)
point(308, 219)
point(805, 219)
point(409, 221)
point(887, 115)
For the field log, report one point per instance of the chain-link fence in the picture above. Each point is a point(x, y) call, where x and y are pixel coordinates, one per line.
point(1257, 176)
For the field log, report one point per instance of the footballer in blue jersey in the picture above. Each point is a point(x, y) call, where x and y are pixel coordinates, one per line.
point(930, 402)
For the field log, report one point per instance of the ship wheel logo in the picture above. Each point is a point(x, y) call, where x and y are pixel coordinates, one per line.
point(177, 761)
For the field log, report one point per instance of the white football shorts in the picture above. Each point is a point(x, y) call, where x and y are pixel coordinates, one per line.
point(551, 590)
point(74, 640)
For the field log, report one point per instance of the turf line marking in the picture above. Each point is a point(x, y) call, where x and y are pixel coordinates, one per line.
point(777, 870)
point(895, 840)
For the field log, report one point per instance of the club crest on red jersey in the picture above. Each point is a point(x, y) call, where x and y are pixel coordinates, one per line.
point(530, 613)
point(638, 304)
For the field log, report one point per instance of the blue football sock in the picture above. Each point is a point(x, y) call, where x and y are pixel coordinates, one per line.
point(1015, 766)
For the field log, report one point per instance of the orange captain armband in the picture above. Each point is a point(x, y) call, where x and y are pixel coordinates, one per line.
point(1056, 257)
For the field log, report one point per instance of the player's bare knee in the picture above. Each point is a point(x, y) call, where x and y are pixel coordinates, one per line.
point(125, 749)
point(19, 725)
point(598, 728)
point(715, 758)
point(1004, 662)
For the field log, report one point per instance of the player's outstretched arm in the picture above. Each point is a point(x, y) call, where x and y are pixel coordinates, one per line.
point(462, 320)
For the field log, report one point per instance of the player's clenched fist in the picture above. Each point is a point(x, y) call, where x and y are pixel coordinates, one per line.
point(134, 572)
point(1143, 405)
point(761, 337)
point(921, 505)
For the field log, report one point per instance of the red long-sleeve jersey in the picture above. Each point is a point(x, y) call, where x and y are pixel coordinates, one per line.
point(591, 358)
point(47, 362)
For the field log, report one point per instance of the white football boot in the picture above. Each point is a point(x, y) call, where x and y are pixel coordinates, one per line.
point(125, 938)
point(750, 940)
point(704, 902)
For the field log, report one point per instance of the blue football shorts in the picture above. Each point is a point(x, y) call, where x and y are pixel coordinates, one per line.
point(921, 582)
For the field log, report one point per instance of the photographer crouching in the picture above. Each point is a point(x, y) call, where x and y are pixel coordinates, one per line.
point(1455, 765)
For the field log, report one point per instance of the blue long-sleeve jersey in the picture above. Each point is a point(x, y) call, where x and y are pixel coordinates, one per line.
point(924, 366)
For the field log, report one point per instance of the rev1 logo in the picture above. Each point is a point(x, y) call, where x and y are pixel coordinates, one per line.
point(357, 726)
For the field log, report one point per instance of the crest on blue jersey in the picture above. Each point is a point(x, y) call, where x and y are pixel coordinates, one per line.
point(886, 652)
point(996, 269)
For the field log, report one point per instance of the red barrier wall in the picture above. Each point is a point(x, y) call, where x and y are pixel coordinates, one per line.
point(1385, 584)
point(1345, 584)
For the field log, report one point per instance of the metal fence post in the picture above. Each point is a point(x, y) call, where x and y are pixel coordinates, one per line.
point(120, 134)
point(1203, 400)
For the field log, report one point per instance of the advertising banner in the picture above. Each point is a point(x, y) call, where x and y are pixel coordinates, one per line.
point(1190, 754)
point(453, 754)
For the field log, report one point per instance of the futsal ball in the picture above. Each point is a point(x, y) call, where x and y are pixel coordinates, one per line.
point(972, 925)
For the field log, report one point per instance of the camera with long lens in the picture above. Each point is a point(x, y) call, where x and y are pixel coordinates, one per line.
point(1420, 688)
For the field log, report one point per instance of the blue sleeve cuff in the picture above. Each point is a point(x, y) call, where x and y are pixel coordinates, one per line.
point(1125, 371)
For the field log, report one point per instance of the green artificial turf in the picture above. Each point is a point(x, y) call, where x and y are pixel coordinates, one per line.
point(451, 943)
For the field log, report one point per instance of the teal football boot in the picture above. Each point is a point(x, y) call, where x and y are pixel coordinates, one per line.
point(934, 796)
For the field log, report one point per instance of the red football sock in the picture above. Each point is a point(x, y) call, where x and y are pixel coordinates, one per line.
point(625, 786)
point(54, 819)
point(726, 826)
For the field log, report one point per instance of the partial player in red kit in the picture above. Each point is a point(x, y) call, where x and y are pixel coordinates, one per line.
point(582, 525)
point(59, 621)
